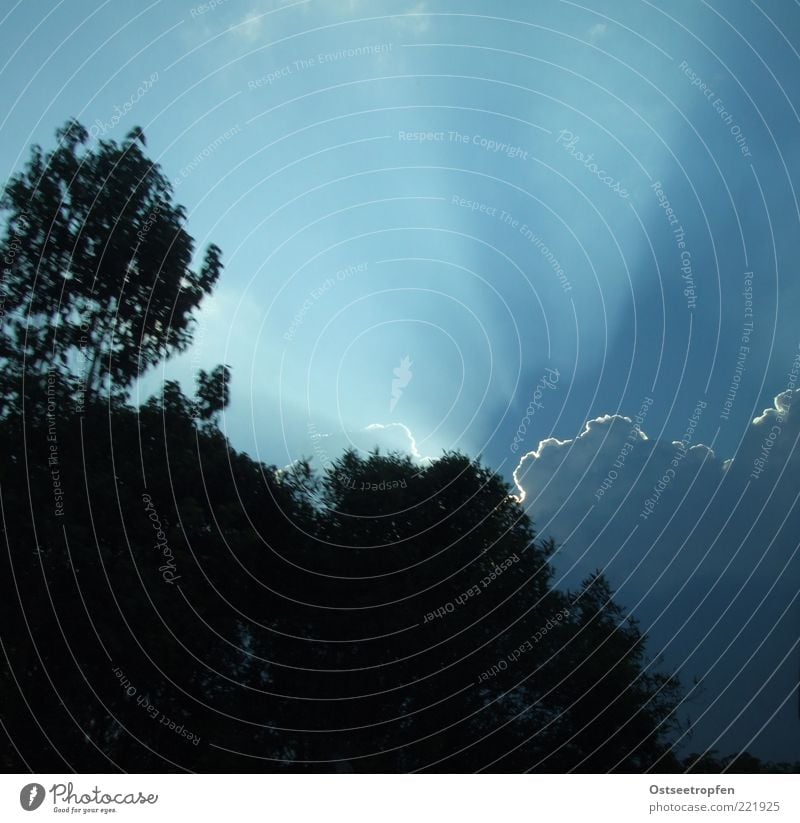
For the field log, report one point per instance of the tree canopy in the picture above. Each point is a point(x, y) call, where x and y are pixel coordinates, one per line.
point(169, 603)
point(98, 280)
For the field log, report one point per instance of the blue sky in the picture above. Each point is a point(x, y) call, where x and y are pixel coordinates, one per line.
point(314, 177)
point(391, 180)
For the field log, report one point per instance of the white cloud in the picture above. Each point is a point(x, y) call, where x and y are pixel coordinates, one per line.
point(323, 447)
point(711, 570)
point(781, 407)
point(394, 436)
point(251, 26)
point(597, 31)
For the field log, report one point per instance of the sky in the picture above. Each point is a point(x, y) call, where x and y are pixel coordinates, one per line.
point(503, 228)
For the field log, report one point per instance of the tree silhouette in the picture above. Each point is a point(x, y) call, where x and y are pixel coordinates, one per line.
point(169, 603)
point(98, 278)
point(213, 392)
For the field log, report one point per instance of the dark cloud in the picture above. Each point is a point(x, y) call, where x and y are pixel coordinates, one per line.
point(703, 550)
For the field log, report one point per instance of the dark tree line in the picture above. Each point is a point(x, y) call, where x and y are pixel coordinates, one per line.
point(169, 603)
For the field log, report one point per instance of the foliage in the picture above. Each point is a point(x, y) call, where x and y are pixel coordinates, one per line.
point(98, 280)
point(168, 603)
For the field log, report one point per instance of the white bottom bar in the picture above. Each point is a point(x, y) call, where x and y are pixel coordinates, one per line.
point(402, 798)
